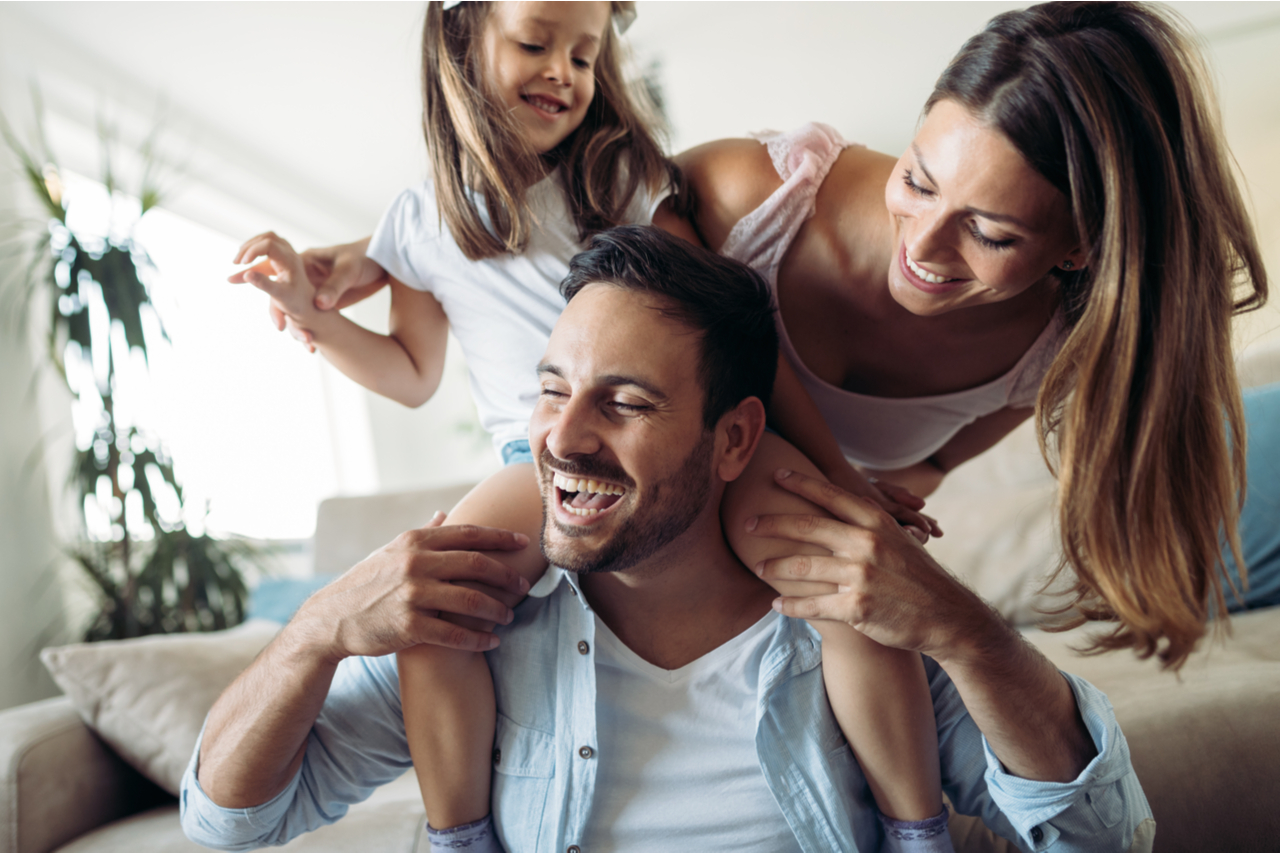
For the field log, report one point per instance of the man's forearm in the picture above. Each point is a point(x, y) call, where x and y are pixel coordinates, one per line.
point(256, 733)
point(1020, 702)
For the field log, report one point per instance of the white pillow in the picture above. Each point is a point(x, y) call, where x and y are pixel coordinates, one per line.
point(147, 698)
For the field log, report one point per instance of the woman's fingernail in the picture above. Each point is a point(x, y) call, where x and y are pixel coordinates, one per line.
point(752, 522)
point(782, 473)
point(776, 604)
point(759, 567)
point(524, 585)
point(522, 540)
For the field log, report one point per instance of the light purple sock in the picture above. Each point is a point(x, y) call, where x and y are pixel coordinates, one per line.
point(917, 836)
point(475, 837)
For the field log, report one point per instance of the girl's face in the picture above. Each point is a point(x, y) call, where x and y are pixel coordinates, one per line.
point(973, 222)
point(540, 61)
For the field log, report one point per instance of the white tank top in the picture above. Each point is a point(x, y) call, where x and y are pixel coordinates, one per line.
point(878, 432)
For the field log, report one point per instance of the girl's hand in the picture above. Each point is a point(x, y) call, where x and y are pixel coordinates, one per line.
point(895, 500)
point(281, 275)
point(341, 275)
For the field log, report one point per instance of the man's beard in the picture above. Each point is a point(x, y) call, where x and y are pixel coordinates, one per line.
point(670, 508)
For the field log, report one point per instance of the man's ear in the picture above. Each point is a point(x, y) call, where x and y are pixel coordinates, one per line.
point(737, 436)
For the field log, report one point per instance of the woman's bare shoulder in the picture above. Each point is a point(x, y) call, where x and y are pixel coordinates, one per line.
point(729, 178)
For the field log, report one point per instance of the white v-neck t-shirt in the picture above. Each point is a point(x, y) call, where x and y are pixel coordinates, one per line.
point(678, 767)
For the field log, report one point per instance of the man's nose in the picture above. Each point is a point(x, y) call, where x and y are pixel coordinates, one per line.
point(573, 431)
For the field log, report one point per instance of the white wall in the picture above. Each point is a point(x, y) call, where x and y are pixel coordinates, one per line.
point(30, 594)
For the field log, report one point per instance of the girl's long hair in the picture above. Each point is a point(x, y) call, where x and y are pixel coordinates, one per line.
point(476, 150)
point(1112, 103)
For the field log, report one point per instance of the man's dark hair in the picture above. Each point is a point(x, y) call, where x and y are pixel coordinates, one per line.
point(727, 301)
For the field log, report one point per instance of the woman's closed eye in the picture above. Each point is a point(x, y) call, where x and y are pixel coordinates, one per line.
point(910, 181)
point(985, 241)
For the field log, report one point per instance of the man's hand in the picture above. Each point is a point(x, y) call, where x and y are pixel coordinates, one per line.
point(889, 588)
point(393, 598)
point(256, 733)
point(886, 585)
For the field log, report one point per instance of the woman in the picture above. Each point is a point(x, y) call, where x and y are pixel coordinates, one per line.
point(1063, 232)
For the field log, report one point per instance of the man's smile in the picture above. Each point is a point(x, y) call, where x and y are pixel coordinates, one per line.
point(583, 497)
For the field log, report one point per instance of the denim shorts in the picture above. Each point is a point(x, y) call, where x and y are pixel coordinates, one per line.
point(515, 452)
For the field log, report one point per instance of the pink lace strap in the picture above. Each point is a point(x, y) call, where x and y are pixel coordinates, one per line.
point(802, 159)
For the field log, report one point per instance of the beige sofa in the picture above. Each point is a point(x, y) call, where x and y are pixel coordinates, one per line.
point(1206, 745)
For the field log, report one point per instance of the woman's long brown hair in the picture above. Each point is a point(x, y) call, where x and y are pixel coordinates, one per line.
point(476, 150)
point(1112, 103)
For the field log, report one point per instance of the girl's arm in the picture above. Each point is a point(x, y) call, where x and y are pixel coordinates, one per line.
point(405, 364)
point(923, 478)
point(794, 414)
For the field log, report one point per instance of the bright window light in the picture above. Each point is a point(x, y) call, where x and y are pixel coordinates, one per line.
point(241, 407)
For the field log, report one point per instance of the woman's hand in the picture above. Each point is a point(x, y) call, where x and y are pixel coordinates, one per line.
point(886, 585)
point(900, 503)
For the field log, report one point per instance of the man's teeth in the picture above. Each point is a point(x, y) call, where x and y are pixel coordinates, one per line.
point(924, 273)
point(572, 484)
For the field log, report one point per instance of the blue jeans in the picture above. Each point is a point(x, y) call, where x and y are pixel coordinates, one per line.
point(514, 452)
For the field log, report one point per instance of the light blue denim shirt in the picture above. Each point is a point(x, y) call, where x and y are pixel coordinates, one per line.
point(544, 780)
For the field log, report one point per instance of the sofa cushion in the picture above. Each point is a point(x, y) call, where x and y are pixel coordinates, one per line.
point(148, 697)
point(1203, 741)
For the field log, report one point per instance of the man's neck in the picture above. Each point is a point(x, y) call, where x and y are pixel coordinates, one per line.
point(691, 597)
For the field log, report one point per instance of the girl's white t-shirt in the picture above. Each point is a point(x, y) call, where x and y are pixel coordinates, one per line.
point(501, 309)
point(678, 767)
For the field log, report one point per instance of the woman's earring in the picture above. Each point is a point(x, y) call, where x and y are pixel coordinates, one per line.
point(1066, 265)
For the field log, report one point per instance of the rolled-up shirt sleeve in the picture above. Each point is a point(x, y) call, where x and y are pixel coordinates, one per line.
point(1103, 808)
point(356, 745)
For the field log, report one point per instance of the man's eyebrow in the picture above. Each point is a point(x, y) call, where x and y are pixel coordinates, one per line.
point(985, 214)
point(612, 380)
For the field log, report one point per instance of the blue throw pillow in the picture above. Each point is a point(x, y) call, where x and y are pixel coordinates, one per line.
point(1260, 518)
point(278, 599)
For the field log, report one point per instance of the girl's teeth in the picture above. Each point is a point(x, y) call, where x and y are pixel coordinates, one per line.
point(924, 274)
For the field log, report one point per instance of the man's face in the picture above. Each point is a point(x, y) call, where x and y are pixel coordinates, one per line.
point(623, 459)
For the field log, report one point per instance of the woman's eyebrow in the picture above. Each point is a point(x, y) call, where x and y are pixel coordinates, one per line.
point(985, 214)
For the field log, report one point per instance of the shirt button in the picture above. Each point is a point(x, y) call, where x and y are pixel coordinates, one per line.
point(586, 751)
point(573, 848)
point(1037, 834)
point(573, 592)
point(583, 647)
point(497, 756)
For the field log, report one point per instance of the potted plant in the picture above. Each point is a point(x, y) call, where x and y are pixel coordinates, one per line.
point(150, 572)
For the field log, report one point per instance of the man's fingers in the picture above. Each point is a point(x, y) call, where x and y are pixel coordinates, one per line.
point(837, 501)
point(809, 607)
point(470, 566)
point(830, 570)
point(464, 601)
point(471, 537)
point(437, 632)
point(816, 530)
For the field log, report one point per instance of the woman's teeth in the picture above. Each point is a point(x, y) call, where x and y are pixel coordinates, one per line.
point(924, 273)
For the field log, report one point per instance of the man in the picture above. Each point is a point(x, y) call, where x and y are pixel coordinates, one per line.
point(648, 694)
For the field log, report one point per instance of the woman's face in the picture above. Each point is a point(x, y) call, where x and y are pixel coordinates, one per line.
point(973, 222)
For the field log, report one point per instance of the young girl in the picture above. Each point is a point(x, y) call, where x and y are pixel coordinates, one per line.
point(536, 143)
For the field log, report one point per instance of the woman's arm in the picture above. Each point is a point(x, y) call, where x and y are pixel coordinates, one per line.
point(794, 414)
point(923, 478)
